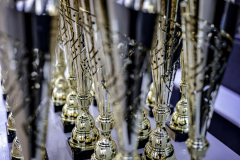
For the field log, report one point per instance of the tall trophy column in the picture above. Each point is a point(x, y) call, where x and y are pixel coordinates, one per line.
point(164, 63)
point(85, 134)
point(179, 125)
point(208, 28)
point(60, 90)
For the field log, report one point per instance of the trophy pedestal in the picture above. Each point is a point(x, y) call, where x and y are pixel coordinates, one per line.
point(142, 143)
point(65, 127)
point(175, 135)
point(78, 154)
point(58, 108)
point(4, 96)
point(94, 102)
point(10, 135)
point(13, 158)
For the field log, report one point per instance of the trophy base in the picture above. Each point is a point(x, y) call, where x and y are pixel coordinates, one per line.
point(58, 108)
point(78, 154)
point(175, 135)
point(13, 158)
point(94, 102)
point(8, 112)
point(142, 143)
point(66, 127)
point(10, 135)
point(5, 96)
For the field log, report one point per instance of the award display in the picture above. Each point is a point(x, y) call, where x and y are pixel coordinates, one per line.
point(150, 101)
point(208, 28)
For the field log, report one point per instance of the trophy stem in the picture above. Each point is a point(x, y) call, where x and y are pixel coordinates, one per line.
point(105, 148)
point(60, 90)
point(159, 145)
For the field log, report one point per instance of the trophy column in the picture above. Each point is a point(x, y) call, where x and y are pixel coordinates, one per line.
point(60, 90)
point(150, 101)
point(85, 134)
point(179, 125)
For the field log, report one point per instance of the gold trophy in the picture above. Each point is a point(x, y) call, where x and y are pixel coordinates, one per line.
point(150, 101)
point(71, 109)
point(179, 125)
point(85, 134)
point(105, 148)
point(208, 28)
point(164, 63)
point(126, 66)
point(16, 151)
point(11, 129)
point(60, 90)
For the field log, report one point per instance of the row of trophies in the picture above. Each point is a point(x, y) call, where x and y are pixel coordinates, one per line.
point(113, 49)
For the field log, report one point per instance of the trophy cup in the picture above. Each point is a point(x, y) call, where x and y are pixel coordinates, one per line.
point(179, 126)
point(126, 51)
point(16, 151)
point(71, 109)
point(85, 133)
point(208, 28)
point(60, 90)
point(150, 101)
point(164, 63)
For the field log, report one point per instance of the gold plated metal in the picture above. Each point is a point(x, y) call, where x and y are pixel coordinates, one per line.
point(71, 109)
point(144, 127)
point(60, 90)
point(163, 71)
point(7, 104)
point(150, 101)
point(16, 151)
point(11, 123)
point(179, 119)
point(85, 134)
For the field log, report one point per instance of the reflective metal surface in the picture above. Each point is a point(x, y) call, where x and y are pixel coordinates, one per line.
point(16, 151)
point(164, 63)
point(11, 125)
point(150, 101)
point(179, 120)
point(208, 28)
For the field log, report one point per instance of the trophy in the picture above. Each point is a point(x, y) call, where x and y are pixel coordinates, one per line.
point(16, 151)
point(179, 125)
point(85, 134)
point(126, 43)
point(71, 109)
point(150, 101)
point(61, 89)
point(164, 63)
point(208, 28)
point(11, 129)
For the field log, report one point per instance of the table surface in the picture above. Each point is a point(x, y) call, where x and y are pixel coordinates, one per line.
point(56, 140)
